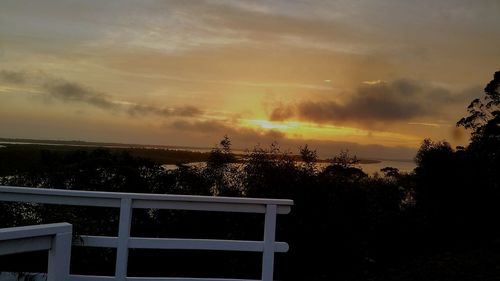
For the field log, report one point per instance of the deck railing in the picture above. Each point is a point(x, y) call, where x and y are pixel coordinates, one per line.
point(56, 238)
point(126, 202)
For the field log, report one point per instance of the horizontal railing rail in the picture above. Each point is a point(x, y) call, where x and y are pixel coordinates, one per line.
point(56, 238)
point(126, 202)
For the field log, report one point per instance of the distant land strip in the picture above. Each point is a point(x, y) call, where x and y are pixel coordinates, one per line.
point(160, 154)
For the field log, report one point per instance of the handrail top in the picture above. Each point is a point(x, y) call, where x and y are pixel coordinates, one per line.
point(19, 232)
point(144, 196)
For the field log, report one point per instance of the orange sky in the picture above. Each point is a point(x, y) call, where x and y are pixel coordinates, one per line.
point(376, 77)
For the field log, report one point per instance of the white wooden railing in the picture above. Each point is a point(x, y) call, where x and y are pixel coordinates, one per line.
point(129, 201)
point(56, 238)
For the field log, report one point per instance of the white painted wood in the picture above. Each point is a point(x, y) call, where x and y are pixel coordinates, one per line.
point(108, 278)
point(141, 196)
point(179, 244)
point(33, 230)
point(59, 257)
point(182, 279)
point(74, 277)
point(53, 237)
point(269, 239)
point(207, 206)
point(140, 203)
point(196, 244)
point(281, 247)
point(200, 206)
point(123, 237)
point(24, 245)
point(203, 244)
point(60, 199)
point(141, 200)
point(30, 238)
point(128, 201)
point(96, 241)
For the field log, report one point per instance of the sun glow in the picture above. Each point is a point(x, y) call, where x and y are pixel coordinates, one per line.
point(266, 124)
point(305, 130)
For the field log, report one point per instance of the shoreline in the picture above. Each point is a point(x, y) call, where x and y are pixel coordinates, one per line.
point(163, 155)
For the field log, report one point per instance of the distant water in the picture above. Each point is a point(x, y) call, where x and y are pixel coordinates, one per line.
point(403, 166)
point(113, 145)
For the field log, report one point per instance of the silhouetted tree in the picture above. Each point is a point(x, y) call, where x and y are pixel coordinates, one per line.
point(482, 155)
point(221, 172)
point(309, 159)
point(484, 112)
point(269, 172)
point(344, 166)
point(390, 171)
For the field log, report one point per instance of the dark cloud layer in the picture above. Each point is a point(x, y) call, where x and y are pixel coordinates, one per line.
point(72, 92)
point(12, 77)
point(372, 102)
point(185, 111)
point(200, 126)
point(211, 130)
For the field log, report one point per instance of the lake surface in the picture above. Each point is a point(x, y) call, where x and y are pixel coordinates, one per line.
point(403, 166)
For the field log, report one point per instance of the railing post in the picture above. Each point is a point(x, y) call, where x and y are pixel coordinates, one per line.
point(59, 257)
point(269, 246)
point(123, 237)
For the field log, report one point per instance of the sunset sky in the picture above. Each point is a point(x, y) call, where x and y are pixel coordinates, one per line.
point(376, 77)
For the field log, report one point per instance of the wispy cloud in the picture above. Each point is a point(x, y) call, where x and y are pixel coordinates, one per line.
point(185, 111)
point(14, 77)
point(76, 93)
point(73, 92)
point(435, 125)
point(210, 128)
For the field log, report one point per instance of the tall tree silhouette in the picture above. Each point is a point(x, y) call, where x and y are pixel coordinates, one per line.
point(484, 112)
point(219, 170)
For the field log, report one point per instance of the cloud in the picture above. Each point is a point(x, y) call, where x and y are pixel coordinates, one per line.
point(281, 113)
point(210, 130)
point(373, 102)
point(185, 111)
point(272, 22)
point(72, 92)
point(435, 125)
point(15, 77)
point(199, 126)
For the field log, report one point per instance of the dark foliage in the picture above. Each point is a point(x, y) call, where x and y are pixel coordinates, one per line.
point(332, 215)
